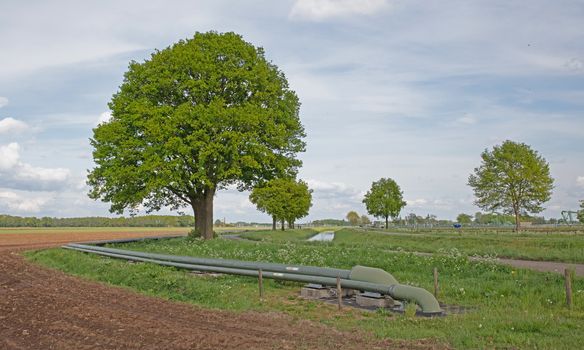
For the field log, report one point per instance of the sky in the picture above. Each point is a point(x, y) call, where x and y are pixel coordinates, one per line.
point(411, 90)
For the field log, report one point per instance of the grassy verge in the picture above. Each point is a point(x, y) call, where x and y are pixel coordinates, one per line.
point(279, 236)
point(514, 308)
point(526, 245)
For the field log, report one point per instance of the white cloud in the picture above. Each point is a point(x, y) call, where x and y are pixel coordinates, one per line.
point(318, 10)
point(331, 189)
point(575, 64)
point(580, 181)
point(9, 155)
point(29, 172)
point(416, 203)
point(3, 101)
point(104, 117)
point(467, 119)
point(20, 175)
point(23, 203)
point(11, 125)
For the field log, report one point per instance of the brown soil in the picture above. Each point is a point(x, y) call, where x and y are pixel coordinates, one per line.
point(46, 309)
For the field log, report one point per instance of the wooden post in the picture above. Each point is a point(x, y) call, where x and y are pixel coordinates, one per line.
point(436, 283)
point(568, 283)
point(261, 284)
point(339, 293)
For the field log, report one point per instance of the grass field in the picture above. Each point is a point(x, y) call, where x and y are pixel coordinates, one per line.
point(565, 247)
point(512, 308)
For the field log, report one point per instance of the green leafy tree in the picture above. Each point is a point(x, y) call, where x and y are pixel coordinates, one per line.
point(384, 199)
point(200, 115)
point(513, 178)
point(353, 218)
point(365, 220)
point(464, 218)
point(286, 200)
point(581, 212)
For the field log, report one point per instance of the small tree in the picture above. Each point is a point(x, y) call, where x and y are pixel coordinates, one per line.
point(464, 218)
point(353, 218)
point(365, 220)
point(194, 118)
point(384, 200)
point(512, 178)
point(286, 200)
point(581, 212)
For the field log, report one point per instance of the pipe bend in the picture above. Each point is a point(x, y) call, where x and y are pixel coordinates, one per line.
point(420, 296)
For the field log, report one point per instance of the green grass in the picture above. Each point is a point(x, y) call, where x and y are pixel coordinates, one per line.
point(526, 245)
point(279, 236)
point(514, 308)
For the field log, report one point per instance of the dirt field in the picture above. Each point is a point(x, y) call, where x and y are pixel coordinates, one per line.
point(46, 309)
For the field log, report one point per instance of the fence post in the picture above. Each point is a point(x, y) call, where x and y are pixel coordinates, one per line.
point(436, 283)
point(568, 284)
point(261, 284)
point(339, 292)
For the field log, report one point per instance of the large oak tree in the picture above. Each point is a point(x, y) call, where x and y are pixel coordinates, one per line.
point(200, 115)
point(512, 178)
point(384, 199)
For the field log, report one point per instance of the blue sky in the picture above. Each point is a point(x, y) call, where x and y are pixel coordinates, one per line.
point(412, 90)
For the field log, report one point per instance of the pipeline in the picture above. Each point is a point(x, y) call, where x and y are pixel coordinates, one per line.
point(359, 278)
point(247, 265)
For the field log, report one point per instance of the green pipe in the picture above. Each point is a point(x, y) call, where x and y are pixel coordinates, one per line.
point(296, 269)
point(420, 296)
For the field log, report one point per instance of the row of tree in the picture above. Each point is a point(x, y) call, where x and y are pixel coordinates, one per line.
point(286, 200)
point(135, 221)
point(503, 219)
point(355, 219)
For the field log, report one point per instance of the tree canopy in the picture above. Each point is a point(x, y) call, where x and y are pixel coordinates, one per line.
point(353, 218)
point(513, 178)
point(200, 115)
point(384, 199)
point(365, 220)
point(464, 218)
point(286, 200)
point(581, 212)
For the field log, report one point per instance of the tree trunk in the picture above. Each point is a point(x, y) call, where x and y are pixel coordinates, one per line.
point(517, 223)
point(274, 222)
point(387, 222)
point(203, 208)
point(282, 224)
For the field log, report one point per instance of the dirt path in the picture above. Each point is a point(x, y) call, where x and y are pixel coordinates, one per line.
point(47, 309)
point(544, 266)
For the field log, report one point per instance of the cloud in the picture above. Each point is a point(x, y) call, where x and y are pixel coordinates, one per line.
point(104, 117)
point(468, 119)
point(9, 156)
point(19, 175)
point(580, 181)
point(417, 203)
point(3, 101)
point(22, 203)
point(575, 64)
point(11, 125)
point(319, 10)
point(324, 189)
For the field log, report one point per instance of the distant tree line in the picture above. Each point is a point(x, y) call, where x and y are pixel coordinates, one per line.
point(503, 219)
point(330, 222)
point(135, 221)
